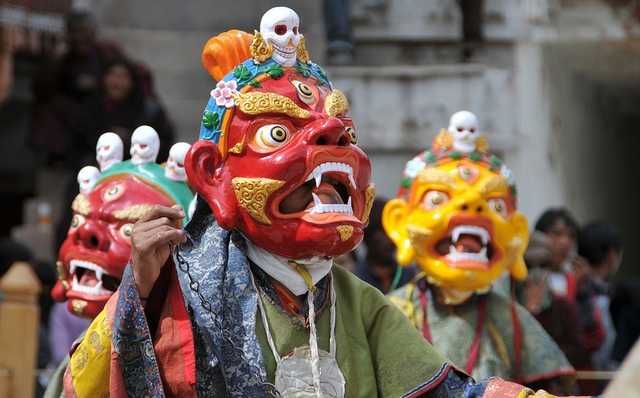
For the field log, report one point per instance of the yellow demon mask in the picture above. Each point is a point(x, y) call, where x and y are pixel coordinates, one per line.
point(455, 216)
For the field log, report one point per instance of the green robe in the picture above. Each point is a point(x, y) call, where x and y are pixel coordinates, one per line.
point(55, 386)
point(453, 327)
point(374, 340)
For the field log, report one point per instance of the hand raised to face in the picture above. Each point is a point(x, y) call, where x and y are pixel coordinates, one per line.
point(151, 241)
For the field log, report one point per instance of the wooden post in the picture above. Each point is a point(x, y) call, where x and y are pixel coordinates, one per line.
point(19, 318)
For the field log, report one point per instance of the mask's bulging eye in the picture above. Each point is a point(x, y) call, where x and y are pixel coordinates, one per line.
point(271, 136)
point(126, 230)
point(433, 199)
point(499, 206)
point(77, 221)
point(113, 192)
point(305, 93)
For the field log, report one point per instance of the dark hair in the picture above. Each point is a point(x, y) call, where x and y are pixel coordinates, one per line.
point(553, 215)
point(135, 97)
point(596, 240)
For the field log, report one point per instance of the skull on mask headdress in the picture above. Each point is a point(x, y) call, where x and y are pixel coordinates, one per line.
point(280, 28)
point(87, 177)
point(109, 150)
point(174, 169)
point(145, 145)
point(463, 126)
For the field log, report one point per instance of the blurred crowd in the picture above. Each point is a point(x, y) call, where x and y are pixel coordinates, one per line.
point(91, 88)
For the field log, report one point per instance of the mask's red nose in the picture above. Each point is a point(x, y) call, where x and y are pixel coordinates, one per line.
point(327, 131)
point(92, 236)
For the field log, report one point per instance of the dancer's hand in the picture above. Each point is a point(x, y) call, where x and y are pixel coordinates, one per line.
point(151, 241)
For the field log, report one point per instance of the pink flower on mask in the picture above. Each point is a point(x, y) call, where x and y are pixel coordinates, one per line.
point(223, 93)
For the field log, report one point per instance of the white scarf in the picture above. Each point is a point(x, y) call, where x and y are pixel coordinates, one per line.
point(279, 269)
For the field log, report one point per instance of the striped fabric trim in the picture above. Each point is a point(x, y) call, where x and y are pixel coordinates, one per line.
point(429, 384)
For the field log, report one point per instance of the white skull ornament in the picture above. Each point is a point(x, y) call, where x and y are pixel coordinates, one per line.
point(145, 144)
point(109, 150)
point(87, 177)
point(174, 169)
point(280, 27)
point(463, 126)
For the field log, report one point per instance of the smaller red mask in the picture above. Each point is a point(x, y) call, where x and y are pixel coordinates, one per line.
point(97, 248)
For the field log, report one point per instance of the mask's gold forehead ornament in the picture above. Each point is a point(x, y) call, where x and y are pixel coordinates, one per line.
point(455, 214)
point(257, 102)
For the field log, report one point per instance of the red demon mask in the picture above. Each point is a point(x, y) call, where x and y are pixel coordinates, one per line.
point(97, 248)
point(287, 172)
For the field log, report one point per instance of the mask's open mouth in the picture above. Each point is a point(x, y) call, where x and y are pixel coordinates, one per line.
point(328, 191)
point(91, 279)
point(467, 246)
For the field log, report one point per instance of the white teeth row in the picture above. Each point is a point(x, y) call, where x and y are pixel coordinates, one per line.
point(319, 170)
point(480, 232)
point(319, 207)
point(96, 290)
point(283, 50)
point(99, 271)
point(456, 256)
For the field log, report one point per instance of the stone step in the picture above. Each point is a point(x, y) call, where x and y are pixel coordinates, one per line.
point(400, 108)
point(419, 52)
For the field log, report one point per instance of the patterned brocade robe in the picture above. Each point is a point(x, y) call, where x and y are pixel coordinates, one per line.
point(509, 342)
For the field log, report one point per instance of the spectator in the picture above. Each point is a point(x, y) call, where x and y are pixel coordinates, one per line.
point(561, 230)
point(61, 85)
point(379, 267)
point(120, 106)
point(557, 315)
point(601, 246)
point(550, 291)
point(79, 71)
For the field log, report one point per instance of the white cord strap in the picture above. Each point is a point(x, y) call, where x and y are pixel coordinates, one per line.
point(265, 322)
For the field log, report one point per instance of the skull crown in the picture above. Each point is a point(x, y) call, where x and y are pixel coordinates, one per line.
point(280, 28)
point(463, 126)
point(145, 146)
point(109, 150)
point(174, 169)
point(87, 177)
